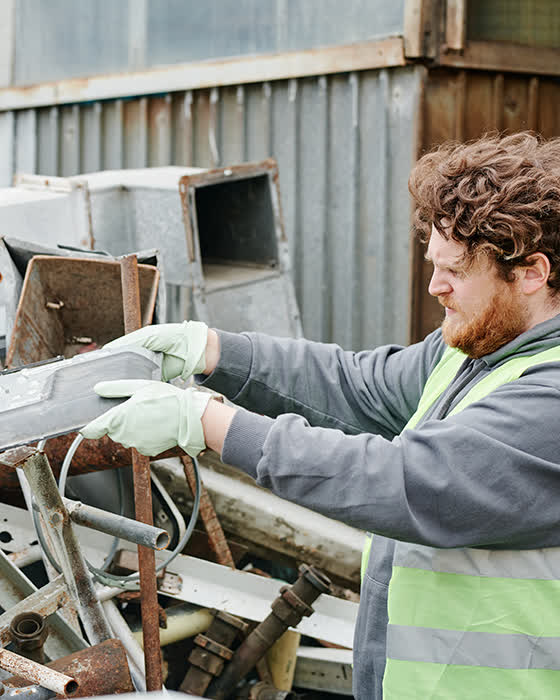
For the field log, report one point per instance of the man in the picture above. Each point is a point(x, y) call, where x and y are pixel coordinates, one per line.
point(447, 450)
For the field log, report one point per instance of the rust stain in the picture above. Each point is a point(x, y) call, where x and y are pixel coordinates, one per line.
point(99, 670)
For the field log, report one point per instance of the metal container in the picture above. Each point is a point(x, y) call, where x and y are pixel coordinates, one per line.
point(71, 305)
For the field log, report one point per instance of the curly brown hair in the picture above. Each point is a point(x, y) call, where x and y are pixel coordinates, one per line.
point(499, 195)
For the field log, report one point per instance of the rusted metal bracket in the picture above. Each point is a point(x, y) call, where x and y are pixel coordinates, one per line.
point(212, 651)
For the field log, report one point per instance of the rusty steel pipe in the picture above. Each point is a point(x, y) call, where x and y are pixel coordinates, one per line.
point(67, 550)
point(99, 670)
point(91, 456)
point(293, 603)
point(143, 500)
point(211, 651)
point(59, 683)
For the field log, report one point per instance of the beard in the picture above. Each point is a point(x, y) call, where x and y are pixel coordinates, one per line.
point(485, 331)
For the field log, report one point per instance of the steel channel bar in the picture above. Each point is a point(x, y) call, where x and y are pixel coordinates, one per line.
point(143, 500)
point(67, 549)
point(117, 525)
point(31, 671)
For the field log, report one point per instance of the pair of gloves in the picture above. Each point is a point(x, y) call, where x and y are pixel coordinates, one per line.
point(158, 416)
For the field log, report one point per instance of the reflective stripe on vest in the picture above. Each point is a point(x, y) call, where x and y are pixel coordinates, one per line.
point(473, 623)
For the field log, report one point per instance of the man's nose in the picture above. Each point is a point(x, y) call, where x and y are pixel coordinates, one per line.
point(439, 284)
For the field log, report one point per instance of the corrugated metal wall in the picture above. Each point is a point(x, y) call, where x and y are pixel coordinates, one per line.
point(462, 105)
point(344, 144)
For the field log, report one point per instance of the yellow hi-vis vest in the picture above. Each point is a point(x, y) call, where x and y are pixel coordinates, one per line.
point(471, 624)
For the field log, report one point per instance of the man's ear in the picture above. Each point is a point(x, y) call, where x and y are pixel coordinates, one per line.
point(535, 274)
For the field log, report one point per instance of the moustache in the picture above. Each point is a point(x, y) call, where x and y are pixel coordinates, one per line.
point(444, 301)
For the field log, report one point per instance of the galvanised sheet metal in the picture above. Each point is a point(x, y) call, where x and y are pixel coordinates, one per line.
point(344, 144)
point(67, 39)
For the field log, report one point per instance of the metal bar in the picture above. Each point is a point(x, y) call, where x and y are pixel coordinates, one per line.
point(143, 500)
point(60, 683)
point(117, 525)
point(133, 650)
point(91, 456)
point(189, 76)
point(42, 483)
point(209, 517)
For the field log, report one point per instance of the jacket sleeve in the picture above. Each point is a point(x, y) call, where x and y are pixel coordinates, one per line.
point(487, 476)
point(375, 391)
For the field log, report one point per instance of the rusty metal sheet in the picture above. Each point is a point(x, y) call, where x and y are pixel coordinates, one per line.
point(100, 670)
point(56, 316)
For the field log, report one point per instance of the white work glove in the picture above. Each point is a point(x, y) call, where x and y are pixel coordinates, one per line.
point(156, 417)
point(183, 346)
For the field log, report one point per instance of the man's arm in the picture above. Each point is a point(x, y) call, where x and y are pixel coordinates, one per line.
point(487, 476)
point(375, 391)
point(212, 352)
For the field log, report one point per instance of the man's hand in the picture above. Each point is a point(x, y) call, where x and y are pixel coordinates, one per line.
point(184, 347)
point(156, 417)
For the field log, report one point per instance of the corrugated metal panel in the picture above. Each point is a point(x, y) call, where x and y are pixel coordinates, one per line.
point(463, 105)
point(68, 39)
point(344, 144)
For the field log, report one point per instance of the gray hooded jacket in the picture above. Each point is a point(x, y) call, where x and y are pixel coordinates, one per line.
point(330, 439)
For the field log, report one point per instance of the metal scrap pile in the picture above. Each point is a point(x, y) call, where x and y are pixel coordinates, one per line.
point(128, 575)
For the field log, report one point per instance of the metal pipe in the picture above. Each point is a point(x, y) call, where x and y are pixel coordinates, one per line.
point(143, 500)
point(29, 633)
point(132, 648)
point(211, 651)
point(67, 550)
point(100, 670)
point(292, 604)
point(117, 525)
point(91, 456)
point(60, 683)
